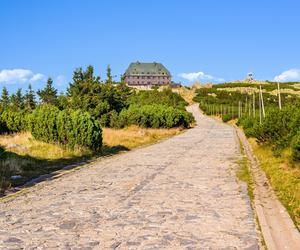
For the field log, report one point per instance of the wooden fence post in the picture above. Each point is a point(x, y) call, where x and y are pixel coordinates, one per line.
point(262, 102)
point(279, 96)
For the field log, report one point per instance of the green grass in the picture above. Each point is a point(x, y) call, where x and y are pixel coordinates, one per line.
point(284, 177)
point(244, 174)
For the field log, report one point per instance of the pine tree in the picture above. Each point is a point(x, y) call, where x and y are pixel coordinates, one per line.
point(108, 75)
point(4, 98)
point(29, 99)
point(63, 101)
point(84, 88)
point(17, 100)
point(48, 94)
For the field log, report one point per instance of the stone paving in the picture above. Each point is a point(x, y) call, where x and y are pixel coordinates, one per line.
point(181, 193)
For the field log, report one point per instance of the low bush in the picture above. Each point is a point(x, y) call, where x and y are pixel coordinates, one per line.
point(68, 127)
point(44, 123)
point(3, 127)
point(279, 128)
point(296, 147)
point(165, 97)
point(153, 116)
point(48, 124)
point(226, 117)
point(13, 121)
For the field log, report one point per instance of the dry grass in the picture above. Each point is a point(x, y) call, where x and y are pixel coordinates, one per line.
point(250, 90)
point(24, 144)
point(30, 158)
point(187, 94)
point(284, 177)
point(135, 136)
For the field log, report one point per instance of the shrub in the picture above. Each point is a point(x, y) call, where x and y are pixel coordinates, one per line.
point(226, 117)
point(86, 131)
point(165, 97)
point(68, 127)
point(296, 147)
point(44, 125)
point(250, 126)
point(114, 119)
point(154, 116)
point(13, 121)
point(3, 127)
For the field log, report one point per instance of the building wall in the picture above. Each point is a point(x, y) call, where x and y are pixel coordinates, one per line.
point(147, 80)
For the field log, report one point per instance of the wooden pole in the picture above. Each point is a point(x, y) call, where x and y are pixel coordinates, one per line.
point(259, 106)
point(239, 111)
point(279, 96)
point(246, 105)
point(249, 107)
point(262, 102)
point(253, 105)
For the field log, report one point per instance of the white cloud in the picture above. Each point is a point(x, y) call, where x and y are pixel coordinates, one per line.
point(288, 75)
point(11, 76)
point(37, 77)
point(60, 80)
point(200, 76)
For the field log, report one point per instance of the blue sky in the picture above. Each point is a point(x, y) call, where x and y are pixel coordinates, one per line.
point(207, 40)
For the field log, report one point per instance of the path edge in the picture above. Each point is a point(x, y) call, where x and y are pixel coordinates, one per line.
point(267, 234)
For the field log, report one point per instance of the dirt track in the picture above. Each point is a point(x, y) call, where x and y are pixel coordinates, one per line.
point(181, 193)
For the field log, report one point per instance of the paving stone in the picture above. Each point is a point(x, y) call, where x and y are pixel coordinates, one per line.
point(181, 193)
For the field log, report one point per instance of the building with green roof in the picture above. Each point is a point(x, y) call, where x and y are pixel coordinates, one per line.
point(147, 75)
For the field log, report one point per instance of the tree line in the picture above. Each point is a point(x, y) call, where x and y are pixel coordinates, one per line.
point(88, 105)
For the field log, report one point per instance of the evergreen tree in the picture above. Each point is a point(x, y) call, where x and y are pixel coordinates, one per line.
point(82, 91)
point(48, 94)
point(17, 100)
point(29, 99)
point(4, 98)
point(109, 79)
point(87, 93)
point(63, 101)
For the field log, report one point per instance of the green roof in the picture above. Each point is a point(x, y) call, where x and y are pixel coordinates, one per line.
point(144, 69)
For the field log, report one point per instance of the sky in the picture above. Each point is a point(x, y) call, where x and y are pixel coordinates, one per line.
point(197, 40)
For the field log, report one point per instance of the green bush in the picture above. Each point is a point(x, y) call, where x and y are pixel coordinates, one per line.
point(165, 97)
point(67, 127)
point(153, 116)
point(296, 147)
point(13, 121)
point(3, 127)
point(44, 123)
point(226, 117)
point(250, 125)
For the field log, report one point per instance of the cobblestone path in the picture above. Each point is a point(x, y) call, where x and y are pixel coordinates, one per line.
point(181, 193)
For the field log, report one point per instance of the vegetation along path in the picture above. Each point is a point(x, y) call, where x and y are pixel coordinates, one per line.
point(181, 193)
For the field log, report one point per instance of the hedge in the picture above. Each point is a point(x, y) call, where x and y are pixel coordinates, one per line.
point(296, 147)
point(13, 121)
point(68, 127)
point(152, 116)
point(47, 123)
point(280, 129)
